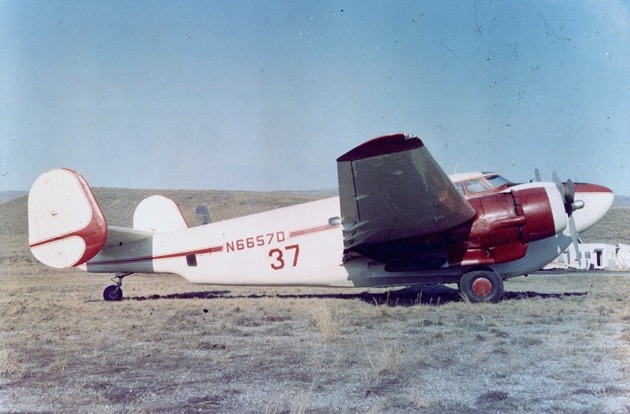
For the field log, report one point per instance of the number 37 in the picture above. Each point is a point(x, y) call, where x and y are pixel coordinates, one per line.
point(279, 254)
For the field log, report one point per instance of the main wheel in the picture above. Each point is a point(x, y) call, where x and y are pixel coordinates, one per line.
point(113, 293)
point(481, 286)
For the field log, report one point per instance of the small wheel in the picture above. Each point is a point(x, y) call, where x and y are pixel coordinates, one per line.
point(481, 286)
point(112, 293)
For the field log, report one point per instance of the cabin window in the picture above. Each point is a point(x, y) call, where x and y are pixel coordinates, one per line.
point(477, 186)
point(191, 260)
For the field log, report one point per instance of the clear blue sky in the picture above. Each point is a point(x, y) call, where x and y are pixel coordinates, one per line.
point(257, 95)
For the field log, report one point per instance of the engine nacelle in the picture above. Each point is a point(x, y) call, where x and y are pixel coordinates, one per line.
point(506, 222)
point(543, 207)
point(503, 226)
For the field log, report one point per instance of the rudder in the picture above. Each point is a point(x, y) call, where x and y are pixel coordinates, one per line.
point(66, 226)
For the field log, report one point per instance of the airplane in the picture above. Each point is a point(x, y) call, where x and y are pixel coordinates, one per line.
point(399, 220)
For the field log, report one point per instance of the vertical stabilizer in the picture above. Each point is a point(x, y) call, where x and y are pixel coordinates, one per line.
point(158, 214)
point(66, 227)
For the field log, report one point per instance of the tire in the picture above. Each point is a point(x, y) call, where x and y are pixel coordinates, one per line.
point(481, 286)
point(112, 293)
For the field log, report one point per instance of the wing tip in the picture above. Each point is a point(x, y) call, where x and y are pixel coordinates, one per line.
point(383, 145)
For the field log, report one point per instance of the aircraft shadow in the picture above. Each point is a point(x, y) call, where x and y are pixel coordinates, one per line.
point(410, 296)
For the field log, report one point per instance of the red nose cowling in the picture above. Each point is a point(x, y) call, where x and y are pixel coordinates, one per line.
point(504, 224)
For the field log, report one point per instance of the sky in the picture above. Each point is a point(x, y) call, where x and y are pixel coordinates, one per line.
point(265, 95)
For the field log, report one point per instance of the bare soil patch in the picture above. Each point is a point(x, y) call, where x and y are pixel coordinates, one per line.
point(558, 343)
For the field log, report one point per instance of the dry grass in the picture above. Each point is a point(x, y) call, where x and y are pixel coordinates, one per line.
point(559, 343)
point(327, 322)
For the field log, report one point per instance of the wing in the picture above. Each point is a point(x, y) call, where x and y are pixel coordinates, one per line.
point(391, 188)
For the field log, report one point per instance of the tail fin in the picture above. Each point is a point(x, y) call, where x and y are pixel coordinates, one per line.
point(66, 226)
point(158, 214)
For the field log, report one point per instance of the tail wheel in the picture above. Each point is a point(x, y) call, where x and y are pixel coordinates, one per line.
point(113, 293)
point(481, 286)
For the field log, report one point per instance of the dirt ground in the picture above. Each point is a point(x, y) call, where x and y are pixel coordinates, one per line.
point(558, 343)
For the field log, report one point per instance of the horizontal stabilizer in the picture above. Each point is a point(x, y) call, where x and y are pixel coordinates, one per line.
point(66, 226)
point(117, 236)
point(158, 214)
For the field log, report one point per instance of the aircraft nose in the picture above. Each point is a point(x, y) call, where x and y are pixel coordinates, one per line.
point(597, 201)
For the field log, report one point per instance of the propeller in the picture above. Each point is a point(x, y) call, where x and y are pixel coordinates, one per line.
point(567, 191)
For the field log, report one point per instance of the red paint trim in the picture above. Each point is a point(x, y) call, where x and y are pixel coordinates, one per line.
point(310, 230)
point(51, 240)
point(482, 287)
point(94, 234)
point(591, 188)
point(216, 249)
point(384, 145)
point(539, 213)
point(210, 250)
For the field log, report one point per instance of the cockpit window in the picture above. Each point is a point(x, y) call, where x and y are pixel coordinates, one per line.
point(477, 186)
point(497, 181)
point(460, 188)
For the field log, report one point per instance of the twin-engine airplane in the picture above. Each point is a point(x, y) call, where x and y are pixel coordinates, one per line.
point(399, 220)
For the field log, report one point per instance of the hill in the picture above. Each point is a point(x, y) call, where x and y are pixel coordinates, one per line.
point(621, 201)
point(119, 205)
point(613, 228)
point(10, 195)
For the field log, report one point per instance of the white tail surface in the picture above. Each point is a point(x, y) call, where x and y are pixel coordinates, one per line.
point(66, 227)
point(158, 214)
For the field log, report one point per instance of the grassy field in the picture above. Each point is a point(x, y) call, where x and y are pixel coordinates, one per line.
point(559, 343)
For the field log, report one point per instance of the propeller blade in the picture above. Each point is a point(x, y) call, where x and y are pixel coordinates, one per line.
point(570, 193)
point(537, 177)
point(558, 183)
point(575, 241)
point(567, 190)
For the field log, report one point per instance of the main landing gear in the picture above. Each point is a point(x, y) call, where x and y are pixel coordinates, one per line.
point(481, 286)
point(114, 293)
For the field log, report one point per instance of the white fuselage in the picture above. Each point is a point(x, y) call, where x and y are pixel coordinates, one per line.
point(296, 245)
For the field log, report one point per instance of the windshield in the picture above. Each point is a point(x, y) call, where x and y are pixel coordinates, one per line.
point(497, 181)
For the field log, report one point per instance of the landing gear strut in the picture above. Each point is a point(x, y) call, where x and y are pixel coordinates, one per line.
point(481, 286)
point(114, 293)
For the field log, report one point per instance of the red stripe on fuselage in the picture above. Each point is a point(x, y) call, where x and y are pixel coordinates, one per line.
point(310, 230)
point(210, 250)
